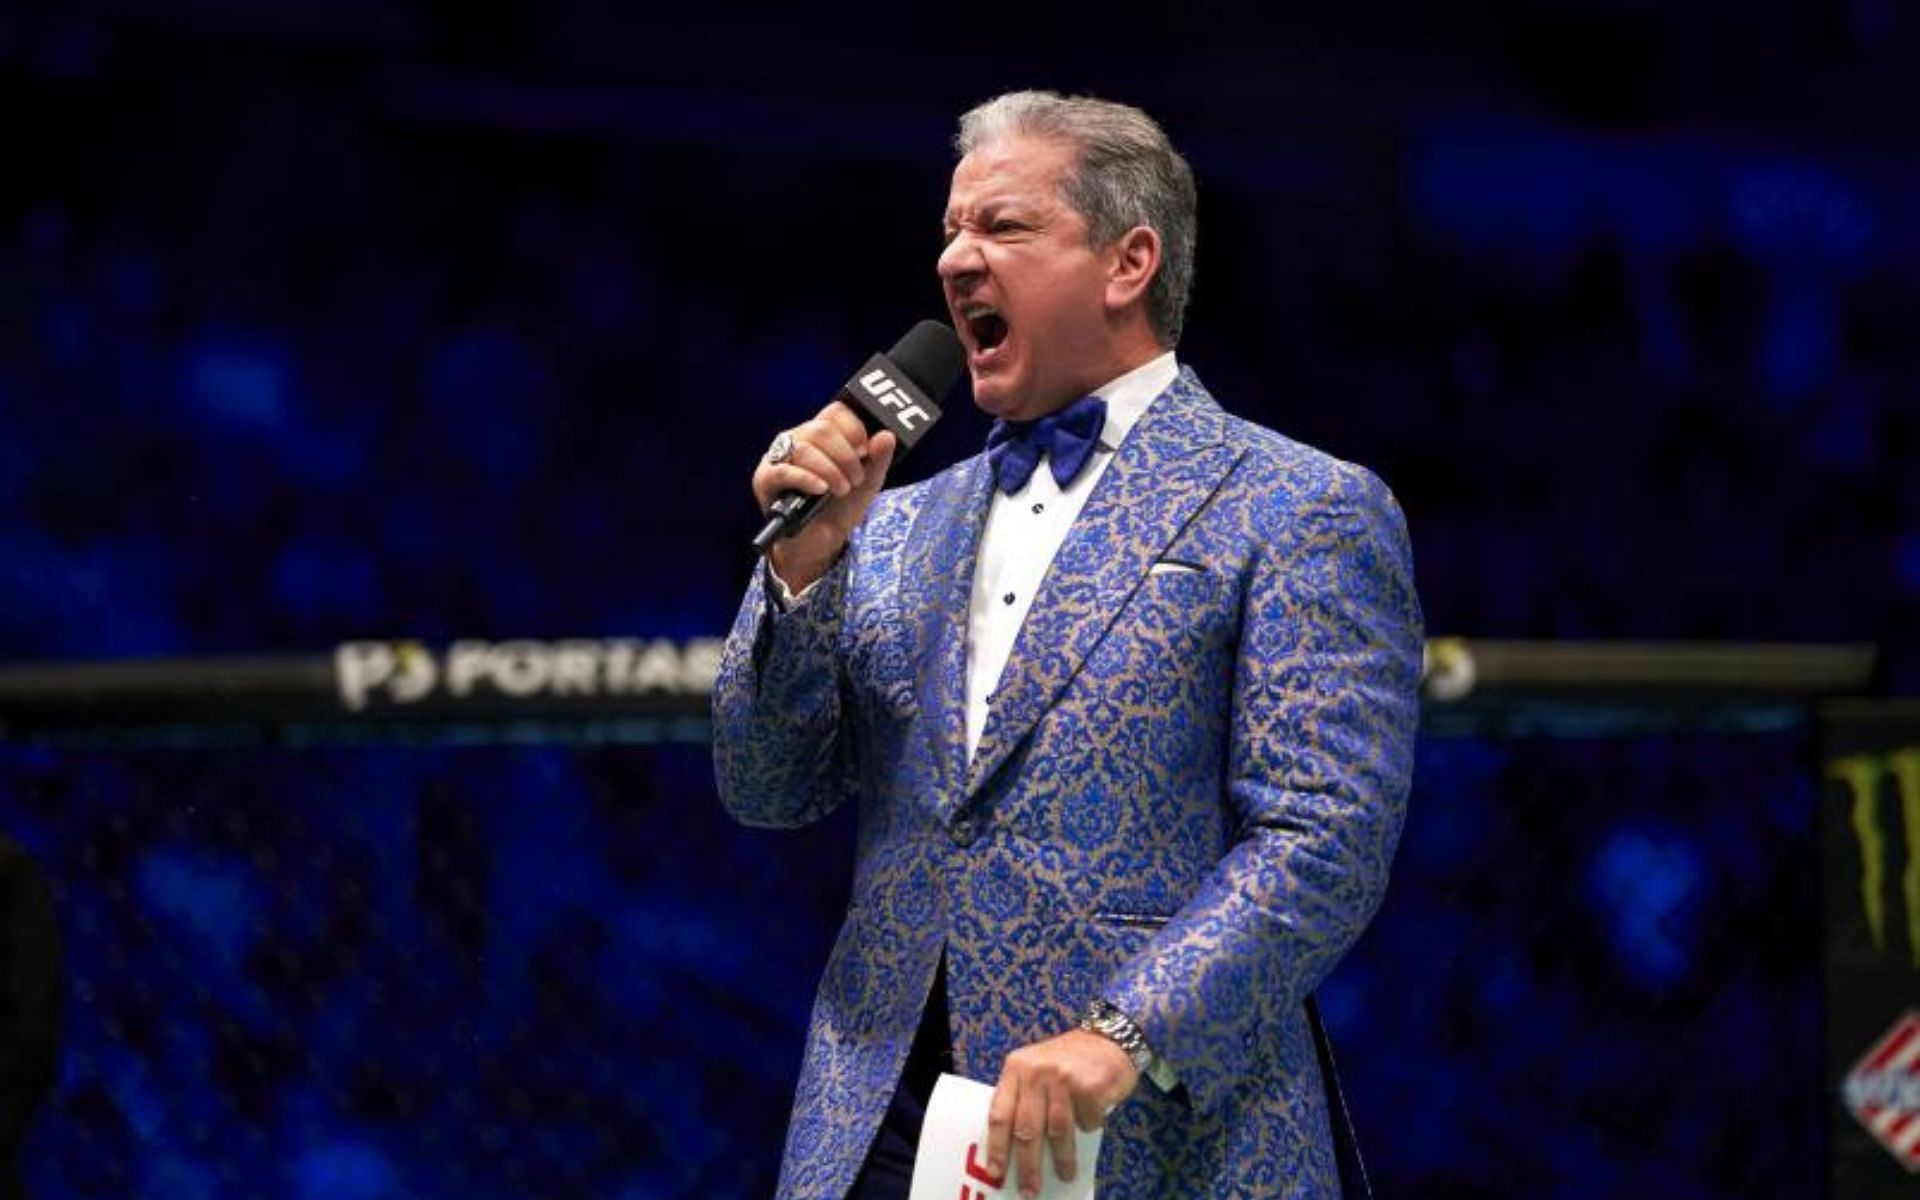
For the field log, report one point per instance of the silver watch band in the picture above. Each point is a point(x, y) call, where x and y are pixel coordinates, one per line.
point(1117, 1027)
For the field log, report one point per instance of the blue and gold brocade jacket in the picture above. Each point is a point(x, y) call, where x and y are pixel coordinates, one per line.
point(1185, 799)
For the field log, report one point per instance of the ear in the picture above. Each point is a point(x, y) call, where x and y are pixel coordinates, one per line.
point(1132, 261)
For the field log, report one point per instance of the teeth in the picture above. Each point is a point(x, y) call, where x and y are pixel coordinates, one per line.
point(973, 312)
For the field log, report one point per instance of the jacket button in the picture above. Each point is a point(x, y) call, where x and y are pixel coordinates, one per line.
point(965, 830)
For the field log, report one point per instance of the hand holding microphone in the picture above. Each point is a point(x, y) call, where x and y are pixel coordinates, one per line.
point(832, 466)
point(830, 457)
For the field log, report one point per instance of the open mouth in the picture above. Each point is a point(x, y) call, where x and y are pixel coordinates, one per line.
point(987, 328)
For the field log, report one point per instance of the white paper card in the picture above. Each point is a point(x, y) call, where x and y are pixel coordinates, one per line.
point(952, 1160)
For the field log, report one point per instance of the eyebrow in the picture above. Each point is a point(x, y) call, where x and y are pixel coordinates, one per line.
point(987, 210)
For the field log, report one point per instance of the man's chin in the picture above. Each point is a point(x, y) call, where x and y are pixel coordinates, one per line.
point(992, 396)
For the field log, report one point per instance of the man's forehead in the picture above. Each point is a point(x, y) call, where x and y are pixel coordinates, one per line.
point(1009, 170)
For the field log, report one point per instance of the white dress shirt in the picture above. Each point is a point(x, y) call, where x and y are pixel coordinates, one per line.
point(1024, 532)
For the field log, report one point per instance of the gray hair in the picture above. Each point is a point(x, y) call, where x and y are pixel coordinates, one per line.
point(1128, 174)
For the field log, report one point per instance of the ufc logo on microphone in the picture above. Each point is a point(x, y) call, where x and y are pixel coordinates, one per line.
point(889, 393)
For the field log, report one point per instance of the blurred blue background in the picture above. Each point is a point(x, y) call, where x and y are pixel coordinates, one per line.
point(409, 318)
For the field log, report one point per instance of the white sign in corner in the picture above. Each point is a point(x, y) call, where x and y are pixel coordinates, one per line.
point(951, 1163)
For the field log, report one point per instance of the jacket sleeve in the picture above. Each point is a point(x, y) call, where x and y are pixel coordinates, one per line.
point(1325, 711)
point(782, 752)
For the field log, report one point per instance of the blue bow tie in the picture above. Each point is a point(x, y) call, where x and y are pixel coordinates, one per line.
point(1066, 438)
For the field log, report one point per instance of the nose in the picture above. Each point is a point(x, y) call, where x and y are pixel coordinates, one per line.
point(960, 260)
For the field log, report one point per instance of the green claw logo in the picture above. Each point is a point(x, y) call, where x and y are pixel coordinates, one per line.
point(1862, 775)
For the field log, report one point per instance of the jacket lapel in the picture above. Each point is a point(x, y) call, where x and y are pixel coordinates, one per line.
point(1174, 459)
point(936, 592)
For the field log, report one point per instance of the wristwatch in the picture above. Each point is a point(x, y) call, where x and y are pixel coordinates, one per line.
point(1119, 1028)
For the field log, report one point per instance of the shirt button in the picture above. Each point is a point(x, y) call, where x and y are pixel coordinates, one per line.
point(965, 830)
point(1008, 597)
point(1038, 509)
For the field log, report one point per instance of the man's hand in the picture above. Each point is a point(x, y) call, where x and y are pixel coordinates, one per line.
point(1044, 1091)
point(831, 453)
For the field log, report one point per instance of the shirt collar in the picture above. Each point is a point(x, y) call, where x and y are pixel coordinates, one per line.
point(1129, 396)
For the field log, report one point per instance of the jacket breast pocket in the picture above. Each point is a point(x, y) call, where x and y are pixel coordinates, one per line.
point(1178, 578)
point(1175, 566)
point(1179, 618)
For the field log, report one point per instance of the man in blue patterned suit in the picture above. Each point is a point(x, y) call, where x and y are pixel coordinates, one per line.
point(1127, 704)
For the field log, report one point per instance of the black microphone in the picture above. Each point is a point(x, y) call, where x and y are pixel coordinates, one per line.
point(896, 391)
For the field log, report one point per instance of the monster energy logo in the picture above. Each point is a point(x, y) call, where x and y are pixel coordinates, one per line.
point(1863, 775)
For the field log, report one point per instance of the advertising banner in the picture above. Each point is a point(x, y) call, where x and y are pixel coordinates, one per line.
point(1870, 833)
